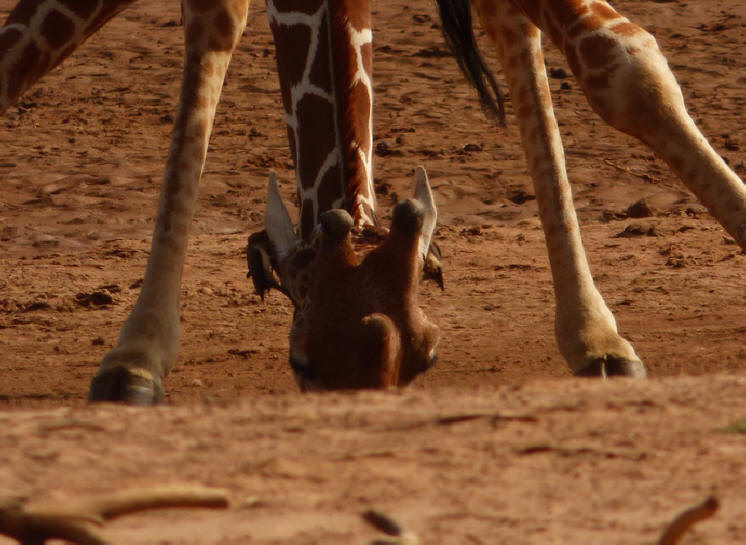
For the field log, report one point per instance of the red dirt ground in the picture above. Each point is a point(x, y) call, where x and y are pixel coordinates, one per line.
point(546, 458)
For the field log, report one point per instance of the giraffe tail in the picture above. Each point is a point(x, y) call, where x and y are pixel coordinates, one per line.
point(459, 33)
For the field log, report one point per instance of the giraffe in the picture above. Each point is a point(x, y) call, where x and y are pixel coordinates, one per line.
point(627, 82)
point(618, 65)
point(353, 284)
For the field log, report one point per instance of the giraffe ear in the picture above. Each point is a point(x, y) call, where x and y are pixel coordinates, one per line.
point(424, 195)
point(277, 221)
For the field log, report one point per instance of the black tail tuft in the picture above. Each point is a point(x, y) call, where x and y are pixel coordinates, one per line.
point(456, 18)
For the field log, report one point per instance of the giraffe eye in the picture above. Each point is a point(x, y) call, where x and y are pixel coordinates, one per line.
point(301, 368)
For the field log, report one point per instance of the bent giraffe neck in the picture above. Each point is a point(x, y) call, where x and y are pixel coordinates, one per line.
point(324, 59)
point(38, 35)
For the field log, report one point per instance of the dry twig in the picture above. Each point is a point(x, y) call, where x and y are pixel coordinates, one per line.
point(687, 519)
point(36, 526)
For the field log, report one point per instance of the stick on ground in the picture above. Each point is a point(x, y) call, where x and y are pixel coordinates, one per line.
point(687, 519)
point(35, 526)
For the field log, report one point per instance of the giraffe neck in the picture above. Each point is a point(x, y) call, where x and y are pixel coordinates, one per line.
point(37, 36)
point(324, 59)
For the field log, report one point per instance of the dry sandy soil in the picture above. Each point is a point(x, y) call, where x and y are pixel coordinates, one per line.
point(497, 443)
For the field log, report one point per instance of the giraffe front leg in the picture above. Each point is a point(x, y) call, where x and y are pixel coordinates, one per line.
point(149, 340)
point(585, 328)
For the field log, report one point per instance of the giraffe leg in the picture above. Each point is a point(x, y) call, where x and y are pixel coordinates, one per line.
point(584, 326)
point(38, 35)
point(149, 340)
point(629, 84)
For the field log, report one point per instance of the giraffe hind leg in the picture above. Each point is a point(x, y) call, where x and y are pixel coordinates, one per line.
point(630, 85)
point(585, 328)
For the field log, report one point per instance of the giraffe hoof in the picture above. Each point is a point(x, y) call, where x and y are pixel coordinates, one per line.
point(130, 386)
point(613, 366)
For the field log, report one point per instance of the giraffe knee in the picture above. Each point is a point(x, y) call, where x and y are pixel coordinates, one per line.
point(627, 80)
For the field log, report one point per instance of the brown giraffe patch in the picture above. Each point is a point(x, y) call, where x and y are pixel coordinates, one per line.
point(8, 39)
point(224, 38)
point(321, 71)
point(289, 43)
point(329, 190)
point(22, 13)
point(309, 7)
point(30, 56)
point(179, 190)
point(597, 51)
point(567, 12)
point(602, 80)
point(357, 17)
point(82, 9)
point(22, 76)
point(316, 137)
point(57, 29)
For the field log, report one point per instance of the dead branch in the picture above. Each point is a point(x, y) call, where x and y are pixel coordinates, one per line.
point(132, 501)
point(34, 526)
point(687, 519)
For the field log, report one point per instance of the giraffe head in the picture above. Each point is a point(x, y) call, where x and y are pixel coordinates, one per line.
point(356, 322)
